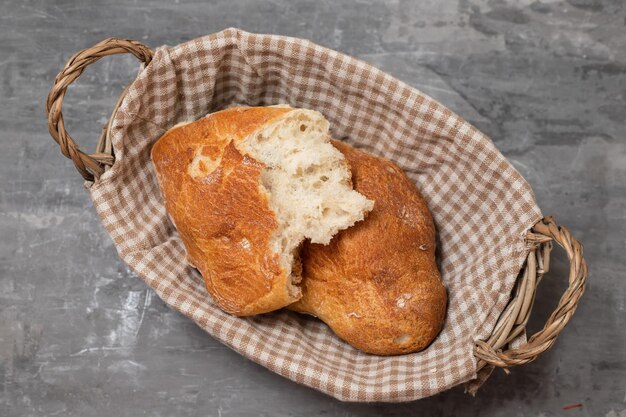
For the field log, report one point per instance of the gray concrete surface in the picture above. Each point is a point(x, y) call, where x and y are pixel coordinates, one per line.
point(81, 336)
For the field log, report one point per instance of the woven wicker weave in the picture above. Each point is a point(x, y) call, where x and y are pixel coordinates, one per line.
point(492, 352)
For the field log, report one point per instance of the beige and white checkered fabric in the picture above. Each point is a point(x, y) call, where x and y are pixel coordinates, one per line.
point(481, 204)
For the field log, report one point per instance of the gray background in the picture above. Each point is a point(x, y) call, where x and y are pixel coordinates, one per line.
point(80, 335)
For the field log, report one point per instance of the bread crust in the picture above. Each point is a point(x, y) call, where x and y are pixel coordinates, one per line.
point(377, 284)
point(226, 234)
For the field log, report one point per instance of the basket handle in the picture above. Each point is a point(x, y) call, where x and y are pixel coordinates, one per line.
point(543, 232)
point(90, 166)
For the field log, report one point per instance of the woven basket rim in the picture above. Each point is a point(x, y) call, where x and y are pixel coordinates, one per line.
point(494, 352)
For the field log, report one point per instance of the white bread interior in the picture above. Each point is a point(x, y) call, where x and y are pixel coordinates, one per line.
point(308, 183)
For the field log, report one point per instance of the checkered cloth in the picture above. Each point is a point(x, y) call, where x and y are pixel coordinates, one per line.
point(481, 205)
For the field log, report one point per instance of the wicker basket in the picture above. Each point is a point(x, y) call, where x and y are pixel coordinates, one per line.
point(493, 352)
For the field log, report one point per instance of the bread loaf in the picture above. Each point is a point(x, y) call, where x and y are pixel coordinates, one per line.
point(377, 284)
point(244, 187)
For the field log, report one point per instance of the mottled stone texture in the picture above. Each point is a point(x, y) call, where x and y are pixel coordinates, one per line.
point(81, 336)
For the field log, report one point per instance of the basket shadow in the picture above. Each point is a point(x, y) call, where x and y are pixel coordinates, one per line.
point(500, 393)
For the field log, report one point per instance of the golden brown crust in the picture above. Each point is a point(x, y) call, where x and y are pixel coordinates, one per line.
point(222, 216)
point(377, 284)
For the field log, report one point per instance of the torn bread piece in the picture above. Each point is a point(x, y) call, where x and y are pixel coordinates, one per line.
point(245, 187)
